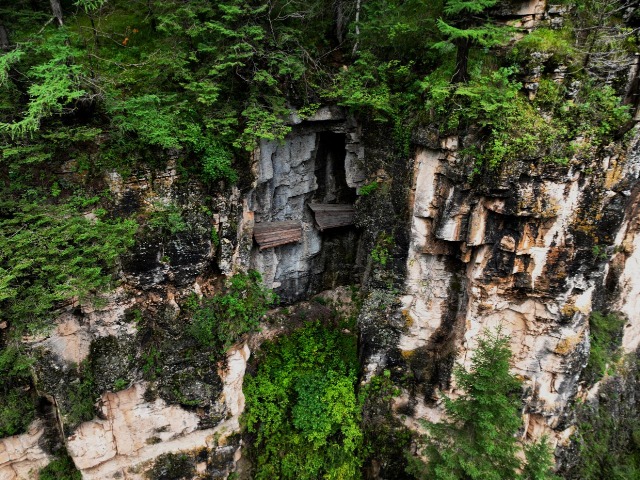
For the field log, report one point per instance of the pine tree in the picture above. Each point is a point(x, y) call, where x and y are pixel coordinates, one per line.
point(478, 439)
point(468, 26)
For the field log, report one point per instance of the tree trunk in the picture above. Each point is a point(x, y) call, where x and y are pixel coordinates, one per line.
point(340, 20)
point(4, 38)
point(461, 74)
point(57, 11)
point(152, 17)
point(357, 23)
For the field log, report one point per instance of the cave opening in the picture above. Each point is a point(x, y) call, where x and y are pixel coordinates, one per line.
point(330, 170)
point(337, 260)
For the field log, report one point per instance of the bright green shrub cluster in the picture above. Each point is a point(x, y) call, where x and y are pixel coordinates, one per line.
point(302, 407)
point(220, 320)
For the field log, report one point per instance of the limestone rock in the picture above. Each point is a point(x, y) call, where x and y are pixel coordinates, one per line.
point(22, 455)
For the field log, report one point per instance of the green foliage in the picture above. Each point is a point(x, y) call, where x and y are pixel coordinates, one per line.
point(149, 118)
point(605, 335)
point(173, 466)
point(16, 413)
point(60, 468)
point(302, 407)
point(50, 254)
point(120, 384)
point(511, 127)
point(215, 238)
point(369, 188)
point(206, 79)
point(56, 82)
point(608, 434)
point(152, 363)
point(400, 30)
point(538, 461)
point(386, 438)
point(225, 317)
point(82, 396)
point(380, 253)
point(558, 43)
point(167, 219)
point(17, 407)
point(478, 438)
point(380, 89)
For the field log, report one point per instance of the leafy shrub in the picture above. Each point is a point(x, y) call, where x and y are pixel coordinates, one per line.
point(167, 219)
point(120, 384)
point(302, 407)
point(223, 318)
point(380, 253)
point(61, 468)
point(216, 164)
point(605, 335)
point(369, 188)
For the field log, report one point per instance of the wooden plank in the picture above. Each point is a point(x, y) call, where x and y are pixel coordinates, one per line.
point(331, 215)
point(272, 234)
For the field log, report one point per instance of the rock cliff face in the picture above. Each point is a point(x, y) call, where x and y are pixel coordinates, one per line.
point(516, 254)
point(532, 251)
point(516, 251)
point(320, 162)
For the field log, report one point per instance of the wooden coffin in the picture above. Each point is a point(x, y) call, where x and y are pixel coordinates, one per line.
point(332, 215)
point(272, 234)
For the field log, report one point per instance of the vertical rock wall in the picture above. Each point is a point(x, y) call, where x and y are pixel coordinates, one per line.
point(318, 162)
point(523, 252)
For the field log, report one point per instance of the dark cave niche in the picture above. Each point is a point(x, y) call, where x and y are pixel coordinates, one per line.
point(336, 264)
point(330, 170)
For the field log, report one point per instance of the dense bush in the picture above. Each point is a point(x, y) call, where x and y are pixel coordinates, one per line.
point(220, 320)
point(302, 407)
point(607, 441)
point(51, 254)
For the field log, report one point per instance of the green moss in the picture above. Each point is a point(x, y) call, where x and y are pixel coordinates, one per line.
point(172, 466)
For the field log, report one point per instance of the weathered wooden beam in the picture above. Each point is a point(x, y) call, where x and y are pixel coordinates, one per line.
point(331, 215)
point(272, 234)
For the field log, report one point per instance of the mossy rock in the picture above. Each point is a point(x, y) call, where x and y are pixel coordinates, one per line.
point(172, 466)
